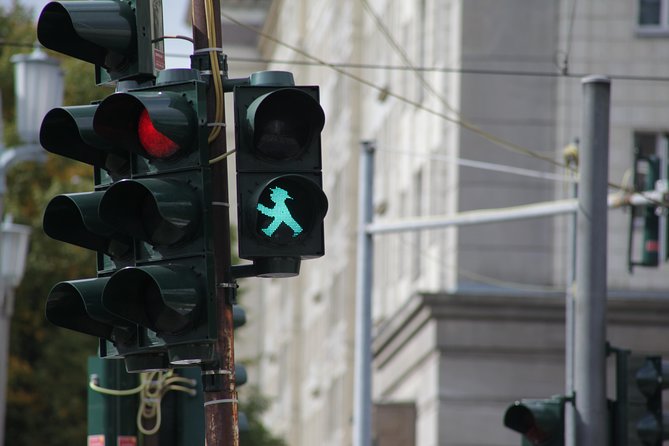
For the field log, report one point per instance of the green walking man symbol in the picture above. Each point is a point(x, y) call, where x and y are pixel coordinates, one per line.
point(280, 212)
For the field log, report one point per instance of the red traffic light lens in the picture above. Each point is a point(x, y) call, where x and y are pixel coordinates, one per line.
point(155, 143)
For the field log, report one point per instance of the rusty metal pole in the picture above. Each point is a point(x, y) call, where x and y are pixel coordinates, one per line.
point(220, 396)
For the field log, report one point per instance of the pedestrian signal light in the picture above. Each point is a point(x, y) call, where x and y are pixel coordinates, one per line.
point(281, 204)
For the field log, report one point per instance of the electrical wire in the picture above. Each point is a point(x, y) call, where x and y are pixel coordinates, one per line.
point(482, 71)
point(487, 135)
point(386, 67)
point(215, 68)
point(570, 34)
point(502, 168)
point(405, 57)
point(479, 277)
point(464, 124)
point(222, 156)
point(152, 389)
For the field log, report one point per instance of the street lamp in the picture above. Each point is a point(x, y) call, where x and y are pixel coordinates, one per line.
point(38, 88)
point(38, 85)
point(13, 252)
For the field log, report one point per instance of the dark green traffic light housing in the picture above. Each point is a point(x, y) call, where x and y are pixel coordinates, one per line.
point(648, 423)
point(539, 421)
point(646, 174)
point(76, 305)
point(281, 204)
point(150, 224)
point(121, 38)
point(68, 131)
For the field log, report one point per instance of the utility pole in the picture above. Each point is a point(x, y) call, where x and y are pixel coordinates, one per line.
point(571, 159)
point(362, 394)
point(590, 300)
point(220, 407)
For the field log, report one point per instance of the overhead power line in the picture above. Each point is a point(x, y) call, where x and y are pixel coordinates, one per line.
point(416, 104)
point(482, 71)
point(390, 67)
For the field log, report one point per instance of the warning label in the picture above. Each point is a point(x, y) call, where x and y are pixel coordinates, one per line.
point(96, 440)
point(127, 440)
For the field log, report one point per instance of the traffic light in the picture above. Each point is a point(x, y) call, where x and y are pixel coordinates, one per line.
point(239, 320)
point(148, 219)
point(281, 204)
point(648, 423)
point(646, 174)
point(122, 38)
point(539, 421)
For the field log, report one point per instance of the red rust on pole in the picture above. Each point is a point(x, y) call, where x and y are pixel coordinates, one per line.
point(221, 416)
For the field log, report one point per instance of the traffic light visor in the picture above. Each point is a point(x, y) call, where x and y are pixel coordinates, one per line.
point(99, 32)
point(537, 420)
point(284, 122)
point(68, 131)
point(73, 218)
point(158, 211)
point(161, 298)
point(77, 305)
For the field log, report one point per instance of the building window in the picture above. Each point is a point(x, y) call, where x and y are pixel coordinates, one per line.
point(653, 16)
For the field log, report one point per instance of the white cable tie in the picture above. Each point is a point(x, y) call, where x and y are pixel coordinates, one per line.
point(217, 372)
point(216, 124)
point(224, 401)
point(227, 285)
point(220, 203)
point(206, 50)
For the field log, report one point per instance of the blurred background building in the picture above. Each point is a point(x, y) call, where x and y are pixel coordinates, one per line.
point(466, 319)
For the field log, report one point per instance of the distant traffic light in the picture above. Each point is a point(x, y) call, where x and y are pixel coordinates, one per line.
point(122, 38)
point(281, 204)
point(539, 421)
point(648, 423)
point(646, 174)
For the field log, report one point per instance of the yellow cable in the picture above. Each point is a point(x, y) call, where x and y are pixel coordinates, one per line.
point(154, 385)
point(221, 157)
point(215, 70)
point(115, 392)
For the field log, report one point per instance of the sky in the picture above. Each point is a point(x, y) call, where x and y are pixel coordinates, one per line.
point(174, 12)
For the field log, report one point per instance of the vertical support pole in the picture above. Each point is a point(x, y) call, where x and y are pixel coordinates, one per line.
point(6, 309)
point(220, 395)
point(620, 421)
point(590, 317)
point(6, 306)
point(569, 410)
point(362, 407)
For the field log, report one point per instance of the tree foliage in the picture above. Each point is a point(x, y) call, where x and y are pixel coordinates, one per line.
point(254, 404)
point(47, 366)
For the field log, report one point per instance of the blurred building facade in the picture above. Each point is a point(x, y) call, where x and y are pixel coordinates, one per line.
point(466, 319)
